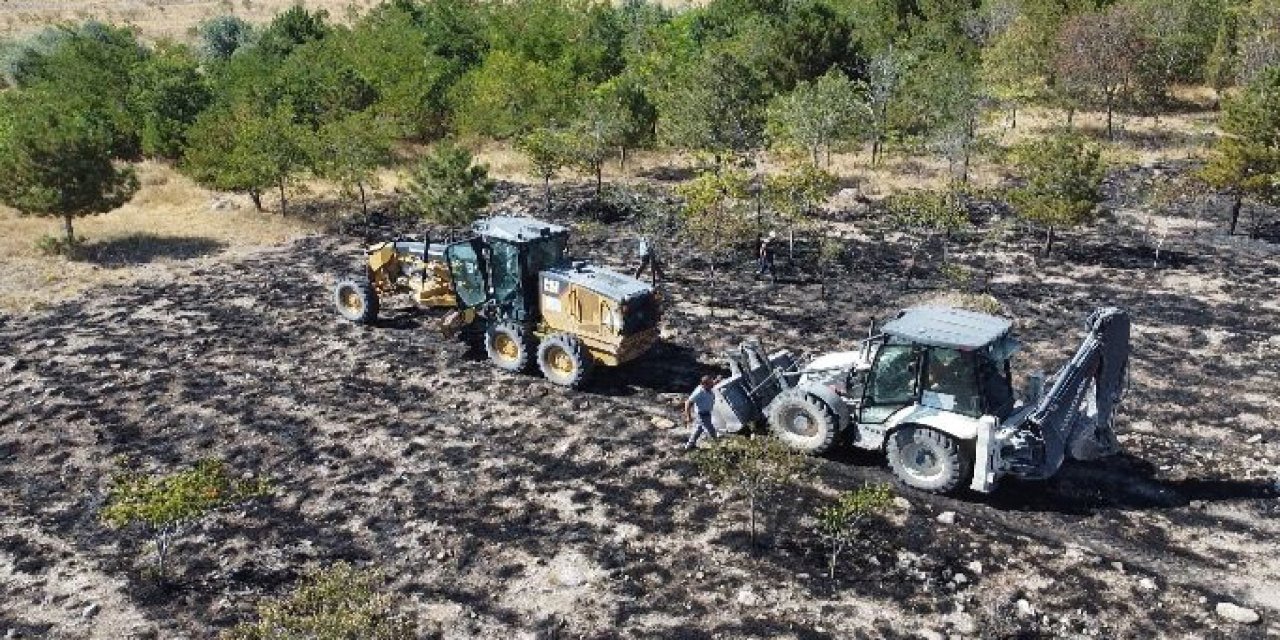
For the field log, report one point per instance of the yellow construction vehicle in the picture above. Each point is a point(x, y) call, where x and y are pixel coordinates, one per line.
point(513, 279)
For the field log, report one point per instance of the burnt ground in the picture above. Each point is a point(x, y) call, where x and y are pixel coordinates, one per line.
point(500, 505)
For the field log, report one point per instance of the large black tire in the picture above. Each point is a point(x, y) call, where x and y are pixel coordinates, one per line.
point(927, 459)
point(803, 422)
point(564, 360)
point(356, 300)
point(509, 346)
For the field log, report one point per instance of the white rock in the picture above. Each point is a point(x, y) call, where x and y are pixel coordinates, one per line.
point(747, 598)
point(662, 423)
point(960, 578)
point(1148, 584)
point(1118, 566)
point(1254, 439)
point(90, 611)
point(966, 625)
point(1237, 613)
point(974, 567)
point(947, 517)
point(901, 502)
point(930, 634)
point(1025, 609)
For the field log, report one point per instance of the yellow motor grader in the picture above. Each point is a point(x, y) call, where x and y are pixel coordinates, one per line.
point(513, 277)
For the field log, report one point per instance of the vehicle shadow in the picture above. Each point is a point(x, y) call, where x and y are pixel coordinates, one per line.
point(1122, 482)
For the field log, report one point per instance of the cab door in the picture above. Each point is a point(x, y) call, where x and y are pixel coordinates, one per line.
point(467, 270)
point(892, 384)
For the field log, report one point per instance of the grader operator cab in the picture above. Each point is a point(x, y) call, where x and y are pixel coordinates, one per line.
point(534, 304)
point(933, 390)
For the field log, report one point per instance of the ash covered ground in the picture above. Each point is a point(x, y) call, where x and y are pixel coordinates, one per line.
point(498, 505)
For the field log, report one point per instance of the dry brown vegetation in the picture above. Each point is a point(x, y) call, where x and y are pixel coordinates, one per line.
point(172, 19)
point(171, 220)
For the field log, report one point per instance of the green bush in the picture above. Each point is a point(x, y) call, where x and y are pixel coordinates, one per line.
point(758, 468)
point(168, 506)
point(840, 523)
point(339, 603)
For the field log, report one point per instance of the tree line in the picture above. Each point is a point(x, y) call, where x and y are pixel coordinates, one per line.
point(579, 83)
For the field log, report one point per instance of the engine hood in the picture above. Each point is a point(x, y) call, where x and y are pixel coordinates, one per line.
point(607, 283)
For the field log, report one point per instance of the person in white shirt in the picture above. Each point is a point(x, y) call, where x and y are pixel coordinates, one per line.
point(648, 259)
point(699, 406)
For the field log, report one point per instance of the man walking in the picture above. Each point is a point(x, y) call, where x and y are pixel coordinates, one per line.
point(648, 259)
point(765, 257)
point(700, 402)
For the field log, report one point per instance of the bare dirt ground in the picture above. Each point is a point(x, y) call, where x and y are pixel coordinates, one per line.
point(502, 506)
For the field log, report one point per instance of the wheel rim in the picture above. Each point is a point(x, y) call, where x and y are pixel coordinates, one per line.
point(350, 300)
point(800, 423)
point(922, 461)
point(506, 347)
point(560, 361)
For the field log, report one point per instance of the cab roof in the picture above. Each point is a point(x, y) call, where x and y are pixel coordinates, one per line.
point(949, 328)
point(516, 230)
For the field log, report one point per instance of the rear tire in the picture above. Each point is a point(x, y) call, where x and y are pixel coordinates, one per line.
point(564, 360)
point(356, 300)
point(927, 459)
point(509, 347)
point(803, 422)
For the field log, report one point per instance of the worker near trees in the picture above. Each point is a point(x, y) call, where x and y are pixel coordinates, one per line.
point(765, 257)
point(697, 411)
point(648, 259)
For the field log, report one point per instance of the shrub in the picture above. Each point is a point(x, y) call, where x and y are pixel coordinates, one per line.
point(168, 506)
point(338, 603)
point(758, 468)
point(840, 523)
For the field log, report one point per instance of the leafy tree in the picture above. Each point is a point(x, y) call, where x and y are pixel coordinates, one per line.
point(169, 506)
point(92, 70)
point(508, 95)
point(395, 56)
point(1221, 65)
point(717, 212)
point(1015, 65)
point(319, 85)
point(1099, 55)
point(1063, 181)
point(635, 116)
point(548, 151)
point(757, 468)
point(1259, 38)
point(222, 36)
point(714, 105)
point(350, 151)
point(886, 73)
point(818, 115)
point(595, 133)
point(840, 523)
point(240, 148)
point(292, 29)
point(58, 162)
point(447, 187)
point(795, 193)
point(1246, 159)
point(337, 603)
point(167, 96)
point(929, 214)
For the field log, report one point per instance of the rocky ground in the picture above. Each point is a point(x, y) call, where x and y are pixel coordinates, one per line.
point(499, 505)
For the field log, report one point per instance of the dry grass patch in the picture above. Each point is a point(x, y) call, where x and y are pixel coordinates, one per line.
point(170, 221)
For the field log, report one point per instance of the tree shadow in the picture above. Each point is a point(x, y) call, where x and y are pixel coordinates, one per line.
point(143, 248)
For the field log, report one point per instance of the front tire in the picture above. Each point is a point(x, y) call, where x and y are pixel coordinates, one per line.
point(356, 301)
point(927, 459)
point(564, 360)
point(803, 422)
point(509, 347)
